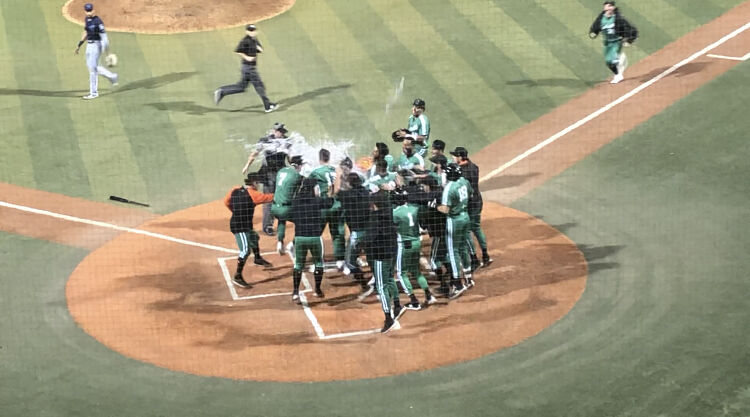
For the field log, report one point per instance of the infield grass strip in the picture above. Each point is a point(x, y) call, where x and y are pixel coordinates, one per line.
point(104, 148)
point(490, 62)
point(52, 141)
point(569, 48)
point(339, 112)
point(353, 66)
point(189, 106)
point(15, 158)
point(459, 79)
point(546, 72)
point(666, 15)
point(395, 60)
point(161, 159)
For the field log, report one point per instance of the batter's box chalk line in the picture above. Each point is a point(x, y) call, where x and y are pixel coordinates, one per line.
point(303, 301)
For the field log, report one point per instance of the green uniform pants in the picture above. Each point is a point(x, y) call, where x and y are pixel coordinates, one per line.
point(612, 52)
point(456, 229)
point(407, 263)
point(338, 232)
point(282, 215)
point(303, 244)
point(437, 252)
point(246, 241)
point(384, 283)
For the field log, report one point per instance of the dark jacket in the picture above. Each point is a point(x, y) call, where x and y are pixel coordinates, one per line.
point(470, 171)
point(381, 241)
point(355, 204)
point(306, 215)
point(242, 201)
point(623, 28)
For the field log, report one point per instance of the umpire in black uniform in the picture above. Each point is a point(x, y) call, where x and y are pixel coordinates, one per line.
point(248, 49)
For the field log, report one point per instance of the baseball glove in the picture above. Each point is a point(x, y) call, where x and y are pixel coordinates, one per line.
point(110, 60)
point(399, 135)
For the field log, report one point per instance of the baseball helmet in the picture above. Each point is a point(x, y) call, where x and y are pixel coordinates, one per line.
point(88, 7)
point(398, 196)
point(280, 127)
point(296, 160)
point(419, 103)
point(346, 163)
point(453, 172)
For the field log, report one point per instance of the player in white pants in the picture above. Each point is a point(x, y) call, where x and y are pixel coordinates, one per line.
point(97, 43)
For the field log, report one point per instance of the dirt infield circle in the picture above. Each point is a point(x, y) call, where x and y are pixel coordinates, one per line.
point(176, 16)
point(169, 304)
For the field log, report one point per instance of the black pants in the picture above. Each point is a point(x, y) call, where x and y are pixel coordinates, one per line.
point(249, 76)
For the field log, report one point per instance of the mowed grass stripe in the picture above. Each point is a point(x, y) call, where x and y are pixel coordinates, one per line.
point(342, 116)
point(352, 65)
point(161, 159)
point(544, 69)
point(459, 79)
point(490, 62)
point(700, 10)
point(448, 119)
point(665, 15)
point(188, 104)
point(651, 37)
point(52, 142)
point(105, 150)
point(16, 155)
point(568, 47)
point(296, 106)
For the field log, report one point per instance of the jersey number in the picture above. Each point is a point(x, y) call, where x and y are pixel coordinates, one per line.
point(411, 219)
point(463, 194)
point(282, 177)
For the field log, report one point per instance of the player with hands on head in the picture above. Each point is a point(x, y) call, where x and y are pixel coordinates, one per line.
point(97, 43)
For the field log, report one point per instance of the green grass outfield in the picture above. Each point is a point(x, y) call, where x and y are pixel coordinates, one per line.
point(661, 213)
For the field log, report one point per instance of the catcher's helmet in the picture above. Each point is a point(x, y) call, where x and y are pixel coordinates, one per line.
point(453, 172)
point(419, 103)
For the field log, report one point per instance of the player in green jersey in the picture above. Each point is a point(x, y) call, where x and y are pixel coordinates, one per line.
point(406, 218)
point(382, 179)
point(287, 182)
point(454, 204)
point(618, 32)
point(325, 175)
point(408, 158)
point(381, 152)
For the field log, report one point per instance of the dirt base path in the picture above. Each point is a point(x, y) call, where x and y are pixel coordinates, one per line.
point(650, 86)
point(176, 16)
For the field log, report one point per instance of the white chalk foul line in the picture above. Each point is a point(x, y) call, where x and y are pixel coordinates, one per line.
point(731, 58)
point(115, 227)
point(609, 106)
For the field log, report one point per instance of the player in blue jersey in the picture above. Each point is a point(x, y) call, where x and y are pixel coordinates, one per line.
point(97, 43)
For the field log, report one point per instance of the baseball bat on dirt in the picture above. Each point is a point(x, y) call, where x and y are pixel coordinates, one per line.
point(125, 200)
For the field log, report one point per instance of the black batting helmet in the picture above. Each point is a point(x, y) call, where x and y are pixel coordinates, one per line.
point(398, 196)
point(453, 172)
point(419, 103)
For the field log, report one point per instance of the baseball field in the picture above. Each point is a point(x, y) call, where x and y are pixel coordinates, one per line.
point(616, 214)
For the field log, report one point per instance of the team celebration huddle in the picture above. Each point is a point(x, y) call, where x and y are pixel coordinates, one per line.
point(390, 204)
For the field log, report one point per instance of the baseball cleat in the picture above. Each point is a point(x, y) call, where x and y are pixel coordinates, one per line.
point(340, 265)
point(616, 79)
point(319, 293)
point(366, 293)
point(388, 325)
point(116, 81)
point(397, 312)
point(295, 296)
point(469, 283)
point(486, 261)
point(290, 247)
point(90, 96)
point(413, 306)
point(240, 281)
point(271, 107)
point(218, 96)
point(280, 248)
point(430, 300)
point(456, 292)
point(262, 262)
